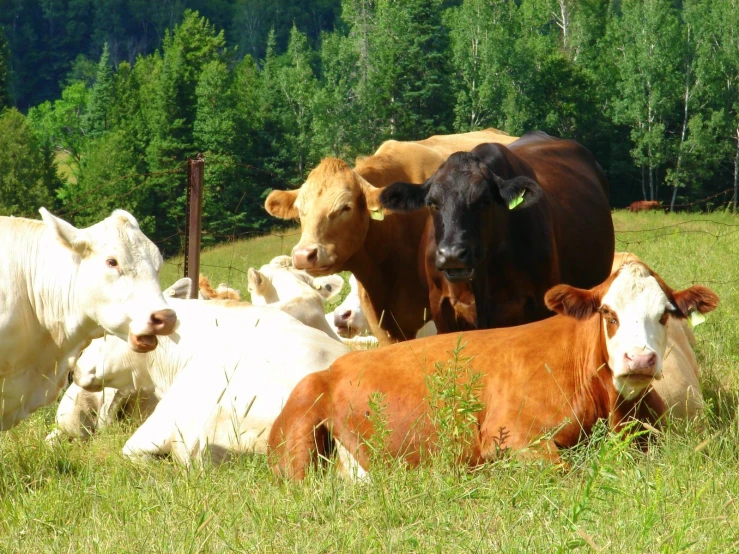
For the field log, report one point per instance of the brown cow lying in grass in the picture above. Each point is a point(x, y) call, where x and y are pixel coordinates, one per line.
point(542, 386)
point(645, 205)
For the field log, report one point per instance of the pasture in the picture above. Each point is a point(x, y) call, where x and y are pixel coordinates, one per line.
point(681, 496)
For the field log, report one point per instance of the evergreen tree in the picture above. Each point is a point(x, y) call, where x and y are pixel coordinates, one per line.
point(27, 175)
point(99, 104)
point(409, 85)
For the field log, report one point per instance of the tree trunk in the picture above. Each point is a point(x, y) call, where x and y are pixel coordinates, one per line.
point(682, 142)
point(643, 184)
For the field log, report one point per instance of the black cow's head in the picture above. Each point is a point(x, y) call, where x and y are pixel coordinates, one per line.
point(469, 203)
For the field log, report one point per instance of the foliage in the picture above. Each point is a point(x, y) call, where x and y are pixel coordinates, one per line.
point(27, 176)
point(651, 87)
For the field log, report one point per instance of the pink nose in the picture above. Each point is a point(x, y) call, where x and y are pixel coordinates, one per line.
point(163, 321)
point(636, 362)
point(305, 258)
point(342, 317)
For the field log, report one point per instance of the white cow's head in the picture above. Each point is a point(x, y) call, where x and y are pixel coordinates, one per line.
point(116, 281)
point(634, 305)
point(109, 362)
point(349, 317)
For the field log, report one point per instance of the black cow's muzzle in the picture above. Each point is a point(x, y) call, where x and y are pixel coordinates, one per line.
point(454, 262)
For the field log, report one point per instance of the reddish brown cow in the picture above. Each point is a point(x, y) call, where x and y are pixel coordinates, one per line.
point(543, 385)
point(488, 263)
point(644, 205)
point(343, 228)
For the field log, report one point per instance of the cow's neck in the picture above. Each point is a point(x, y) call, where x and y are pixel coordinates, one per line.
point(384, 264)
point(52, 294)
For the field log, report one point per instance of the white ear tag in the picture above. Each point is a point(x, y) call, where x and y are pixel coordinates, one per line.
point(695, 318)
point(516, 201)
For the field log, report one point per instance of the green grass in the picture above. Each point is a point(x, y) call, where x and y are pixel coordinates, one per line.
point(681, 496)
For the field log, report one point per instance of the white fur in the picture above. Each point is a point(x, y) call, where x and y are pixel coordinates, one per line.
point(639, 302)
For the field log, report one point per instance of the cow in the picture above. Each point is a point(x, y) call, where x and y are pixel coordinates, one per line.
point(541, 386)
point(282, 287)
point(508, 223)
point(221, 378)
point(343, 228)
point(223, 292)
point(645, 205)
point(679, 387)
point(59, 288)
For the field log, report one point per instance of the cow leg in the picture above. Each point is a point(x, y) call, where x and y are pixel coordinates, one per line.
point(153, 438)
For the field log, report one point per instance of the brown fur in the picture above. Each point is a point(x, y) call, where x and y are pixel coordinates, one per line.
point(544, 385)
point(223, 293)
point(383, 255)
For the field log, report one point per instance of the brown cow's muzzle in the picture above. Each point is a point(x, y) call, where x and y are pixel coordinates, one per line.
point(313, 259)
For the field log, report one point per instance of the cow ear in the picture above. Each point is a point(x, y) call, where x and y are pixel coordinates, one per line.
point(329, 287)
point(518, 192)
point(255, 278)
point(572, 302)
point(403, 197)
point(696, 298)
point(66, 233)
point(179, 289)
point(281, 203)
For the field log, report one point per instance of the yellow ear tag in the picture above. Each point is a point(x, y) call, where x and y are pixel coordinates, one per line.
point(695, 318)
point(516, 201)
point(378, 214)
point(317, 286)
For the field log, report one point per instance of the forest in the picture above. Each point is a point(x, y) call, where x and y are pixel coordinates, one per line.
point(102, 102)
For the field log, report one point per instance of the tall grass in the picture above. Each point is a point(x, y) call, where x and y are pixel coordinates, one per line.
point(680, 496)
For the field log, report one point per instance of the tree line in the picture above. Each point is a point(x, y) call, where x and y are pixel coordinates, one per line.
point(650, 86)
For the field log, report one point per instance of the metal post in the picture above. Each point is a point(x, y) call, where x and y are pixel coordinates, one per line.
point(195, 178)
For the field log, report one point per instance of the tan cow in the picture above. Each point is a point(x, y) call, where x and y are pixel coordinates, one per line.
point(344, 229)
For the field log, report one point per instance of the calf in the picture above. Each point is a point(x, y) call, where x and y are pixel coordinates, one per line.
point(543, 385)
point(280, 286)
point(221, 379)
point(508, 223)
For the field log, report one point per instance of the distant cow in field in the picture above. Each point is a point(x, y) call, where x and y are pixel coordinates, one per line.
point(508, 223)
point(645, 205)
point(543, 385)
point(344, 228)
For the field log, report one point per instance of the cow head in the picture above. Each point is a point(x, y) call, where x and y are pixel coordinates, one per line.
point(117, 277)
point(634, 305)
point(349, 318)
point(469, 204)
point(334, 209)
point(109, 362)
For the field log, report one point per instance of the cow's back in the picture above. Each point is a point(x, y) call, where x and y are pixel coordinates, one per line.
point(576, 193)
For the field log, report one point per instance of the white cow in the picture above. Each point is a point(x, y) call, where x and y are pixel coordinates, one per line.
point(221, 378)
point(278, 285)
point(59, 288)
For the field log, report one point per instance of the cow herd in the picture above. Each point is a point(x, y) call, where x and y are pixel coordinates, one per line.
point(498, 246)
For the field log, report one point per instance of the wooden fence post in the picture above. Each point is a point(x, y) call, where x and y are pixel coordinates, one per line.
point(195, 178)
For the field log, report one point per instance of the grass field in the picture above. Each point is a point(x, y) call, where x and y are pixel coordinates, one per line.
point(681, 496)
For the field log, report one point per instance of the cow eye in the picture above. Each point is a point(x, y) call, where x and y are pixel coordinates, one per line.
point(346, 208)
point(432, 205)
point(111, 262)
point(612, 320)
point(664, 318)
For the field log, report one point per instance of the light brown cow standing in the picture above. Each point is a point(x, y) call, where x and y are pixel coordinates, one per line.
point(543, 385)
point(336, 206)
